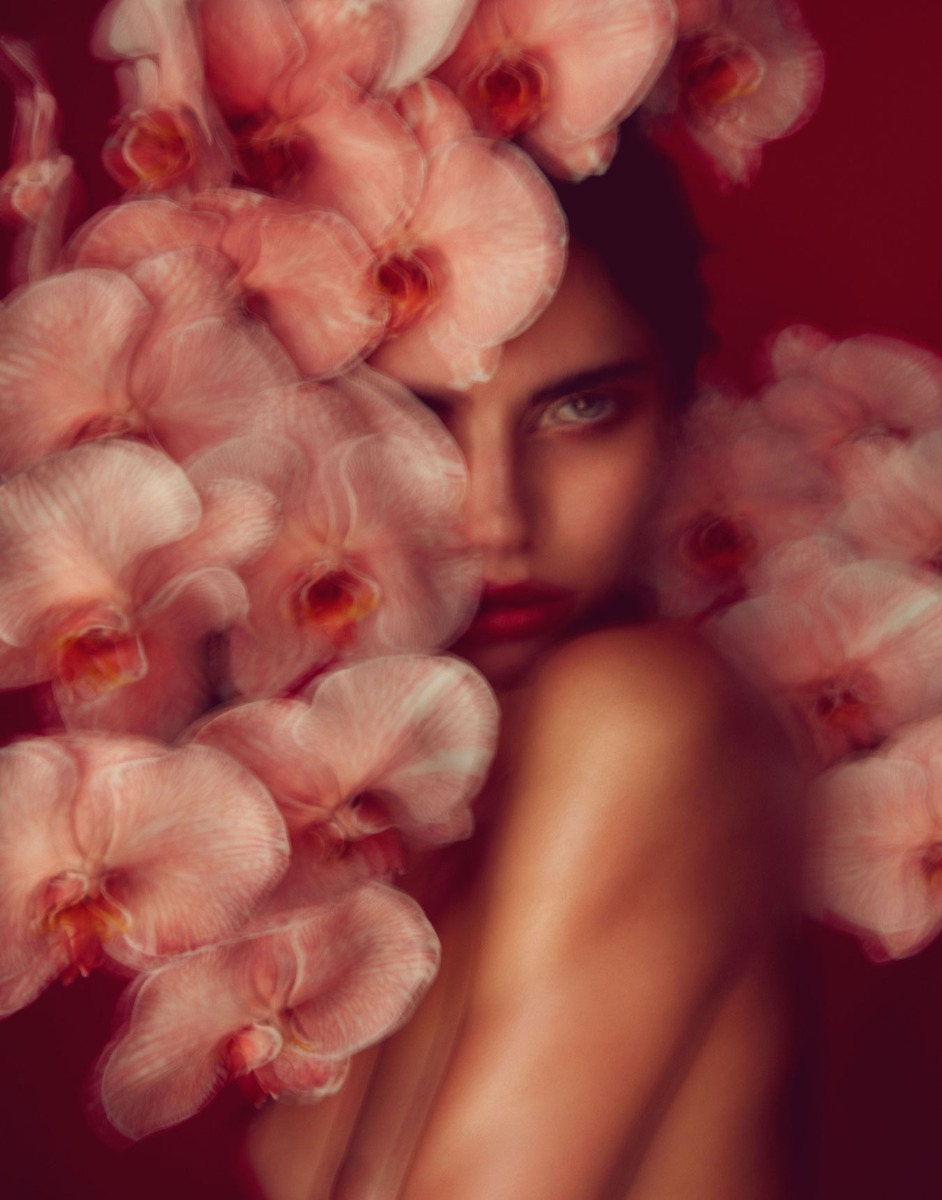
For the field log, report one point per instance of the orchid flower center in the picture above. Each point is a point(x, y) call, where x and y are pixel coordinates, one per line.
point(335, 601)
point(844, 705)
point(260, 1053)
point(715, 72)
point(252, 1048)
point(80, 912)
point(152, 150)
point(410, 286)
point(719, 545)
point(271, 154)
point(508, 95)
point(97, 659)
point(25, 193)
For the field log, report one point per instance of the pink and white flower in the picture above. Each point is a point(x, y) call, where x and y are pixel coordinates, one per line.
point(121, 849)
point(304, 123)
point(560, 74)
point(109, 585)
point(744, 73)
point(390, 744)
point(84, 355)
point(893, 499)
point(288, 1003)
point(368, 557)
point(169, 135)
point(854, 650)
point(835, 393)
point(738, 489)
point(38, 189)
point(452, 306)
point(875, 843)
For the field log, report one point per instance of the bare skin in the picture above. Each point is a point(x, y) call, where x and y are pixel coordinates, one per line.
point(611, 1016)
point(609, 1020)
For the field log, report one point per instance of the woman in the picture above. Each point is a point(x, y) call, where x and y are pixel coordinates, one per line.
point(611, 1015)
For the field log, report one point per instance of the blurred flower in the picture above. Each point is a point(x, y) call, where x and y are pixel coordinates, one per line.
point(835, 393)
point(875, 843)
point(169, 135)
point(738, 488)
point(744, 73)
point(893, 499)
point(854, 648)
point(38, 191)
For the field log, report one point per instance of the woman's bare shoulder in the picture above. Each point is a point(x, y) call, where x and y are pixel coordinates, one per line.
point(643, 743)
point(664, 669)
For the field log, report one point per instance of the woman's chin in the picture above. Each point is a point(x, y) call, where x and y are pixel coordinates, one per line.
point(504, 664)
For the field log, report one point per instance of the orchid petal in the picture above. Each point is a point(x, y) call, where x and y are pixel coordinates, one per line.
point(197, 843)
point(65, 346)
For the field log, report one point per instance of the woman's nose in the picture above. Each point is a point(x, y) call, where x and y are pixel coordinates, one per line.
point(495, 513)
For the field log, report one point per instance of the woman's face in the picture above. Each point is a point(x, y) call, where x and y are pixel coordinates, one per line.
point(563, 447)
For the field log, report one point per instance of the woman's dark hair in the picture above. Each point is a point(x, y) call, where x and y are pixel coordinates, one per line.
point(637, 221)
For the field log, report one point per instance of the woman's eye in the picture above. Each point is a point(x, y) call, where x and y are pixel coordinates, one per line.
point(586, 408)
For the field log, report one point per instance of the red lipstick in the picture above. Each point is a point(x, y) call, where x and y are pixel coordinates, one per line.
point(519, 610)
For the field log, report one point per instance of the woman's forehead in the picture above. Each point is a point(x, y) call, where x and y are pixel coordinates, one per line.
point(586, 333)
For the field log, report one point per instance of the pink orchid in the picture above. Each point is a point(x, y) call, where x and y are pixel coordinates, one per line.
point(874, 843)
point(123, 849)
point(561, 75)
point(307, 272)
point(288, 1004)
point(738, 489)
point(452, 307)
point(744, 73)
point(305, 126)
point(368, 557)
point(130, 233)
point(836, 392)
point(434, 114)
point(38, 190)
point(854, 650)
point(893, 499)
point(425, 36)
point(257, 50)
point(169, 135)
point(398, 743)
point(105, 372)
point(112, 573)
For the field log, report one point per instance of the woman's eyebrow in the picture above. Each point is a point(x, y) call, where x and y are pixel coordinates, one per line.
point(581, 381)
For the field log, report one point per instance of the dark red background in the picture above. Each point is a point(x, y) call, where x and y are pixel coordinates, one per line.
point(841, 229)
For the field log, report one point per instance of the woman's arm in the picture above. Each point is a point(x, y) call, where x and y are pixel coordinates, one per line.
point(633, 877)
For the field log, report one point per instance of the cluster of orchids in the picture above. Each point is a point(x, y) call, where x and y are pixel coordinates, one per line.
point(230, 538)
point(804, 533)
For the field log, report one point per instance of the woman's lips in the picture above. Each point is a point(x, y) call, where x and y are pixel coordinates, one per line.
point(519, 610)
